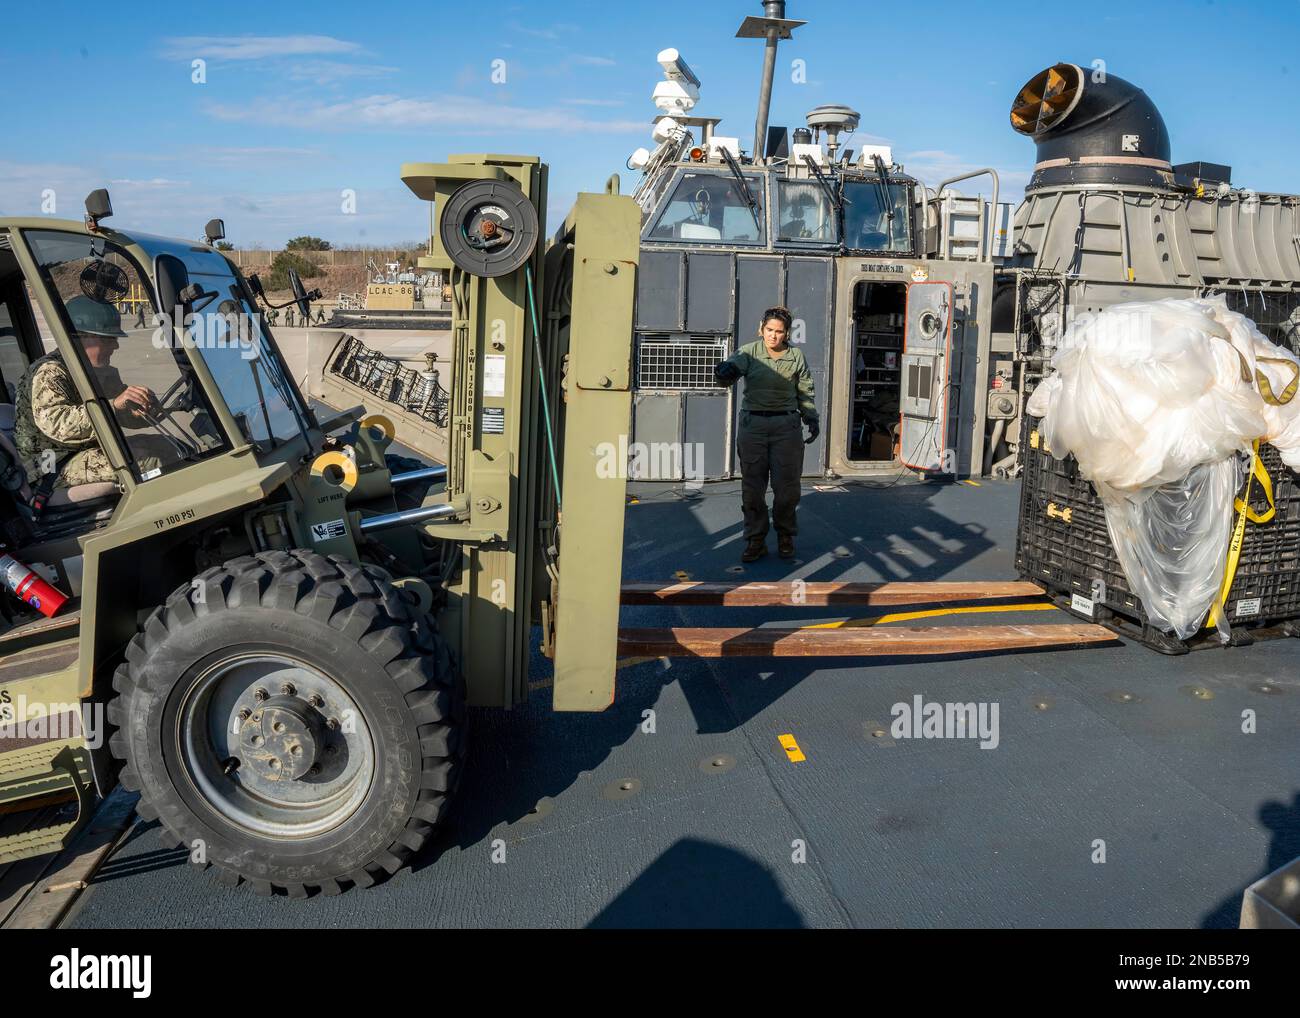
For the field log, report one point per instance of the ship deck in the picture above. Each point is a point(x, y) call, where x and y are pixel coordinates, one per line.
point(1111, 751)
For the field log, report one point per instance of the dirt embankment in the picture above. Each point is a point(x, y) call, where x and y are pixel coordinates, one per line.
point(333, 280)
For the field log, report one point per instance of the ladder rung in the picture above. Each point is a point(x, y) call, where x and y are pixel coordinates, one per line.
point(793, 593)
point(854, 641)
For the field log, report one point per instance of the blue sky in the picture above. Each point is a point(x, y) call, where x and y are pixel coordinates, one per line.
point(302, 102)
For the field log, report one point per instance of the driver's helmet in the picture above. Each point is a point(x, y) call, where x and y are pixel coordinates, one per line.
point(96, 319)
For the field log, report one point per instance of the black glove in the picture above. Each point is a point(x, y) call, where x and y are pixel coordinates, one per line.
point(725, 372)
point(814, 429)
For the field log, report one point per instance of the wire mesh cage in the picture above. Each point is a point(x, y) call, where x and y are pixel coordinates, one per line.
point(390, 380)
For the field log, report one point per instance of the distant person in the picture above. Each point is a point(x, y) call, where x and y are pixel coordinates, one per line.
point(288, 318)
point(140, 323)
point(778, 394)
point(320, 316)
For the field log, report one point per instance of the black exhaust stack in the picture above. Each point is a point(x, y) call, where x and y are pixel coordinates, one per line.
point(1092, 128)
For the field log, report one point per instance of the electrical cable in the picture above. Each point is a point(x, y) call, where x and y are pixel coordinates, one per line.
point(541, 378)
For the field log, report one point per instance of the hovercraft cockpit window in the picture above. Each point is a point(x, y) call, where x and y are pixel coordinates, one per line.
point(867, 223)
point(806, 214)
point(710, 208)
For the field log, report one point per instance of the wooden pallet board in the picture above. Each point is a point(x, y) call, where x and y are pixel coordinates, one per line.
point(819, 594)
point(893, 641)
point(37, 893)
point(17, 879)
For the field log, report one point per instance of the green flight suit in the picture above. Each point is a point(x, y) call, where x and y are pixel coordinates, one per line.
point(778, 398)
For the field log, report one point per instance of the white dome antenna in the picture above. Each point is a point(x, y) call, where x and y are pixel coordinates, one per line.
point(833, 119)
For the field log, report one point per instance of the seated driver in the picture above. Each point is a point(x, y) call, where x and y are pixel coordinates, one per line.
point(52, 429)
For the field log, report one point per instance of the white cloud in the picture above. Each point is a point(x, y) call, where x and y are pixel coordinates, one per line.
point(253, 47)
point(592, 102)
point(589, 61)
point(157, 204)
point(931, 166)
point(155, 182)
point(325, 72)
point(394, 112)
point(550, 32)
point(176, 208)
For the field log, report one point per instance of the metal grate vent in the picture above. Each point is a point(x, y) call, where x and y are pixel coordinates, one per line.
point(664, 364)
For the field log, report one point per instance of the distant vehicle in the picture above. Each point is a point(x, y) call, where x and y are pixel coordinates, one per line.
point(395, 299)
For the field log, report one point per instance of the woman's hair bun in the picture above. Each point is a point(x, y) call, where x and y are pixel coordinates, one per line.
point(780, 313)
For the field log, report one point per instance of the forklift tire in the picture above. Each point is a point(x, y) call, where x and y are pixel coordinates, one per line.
point(293, 721)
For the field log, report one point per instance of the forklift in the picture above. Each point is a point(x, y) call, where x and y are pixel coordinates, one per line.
point(268, 623)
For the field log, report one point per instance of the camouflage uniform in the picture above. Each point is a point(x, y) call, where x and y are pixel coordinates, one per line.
point(51, 421)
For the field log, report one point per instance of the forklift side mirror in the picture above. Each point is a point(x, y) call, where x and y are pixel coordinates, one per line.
point(215, 230)
point(98, 206)
point(300, 295)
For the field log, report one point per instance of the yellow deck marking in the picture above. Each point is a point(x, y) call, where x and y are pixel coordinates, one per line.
point(631, 662)
point(973, 484)
point(933, 613)
point(791, 748)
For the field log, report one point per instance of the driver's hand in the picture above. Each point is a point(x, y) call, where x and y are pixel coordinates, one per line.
point(134, 399)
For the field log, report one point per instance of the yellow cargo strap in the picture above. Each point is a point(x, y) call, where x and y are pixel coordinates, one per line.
point(1261, 381)
point(1266, 388)
point(1244, 512)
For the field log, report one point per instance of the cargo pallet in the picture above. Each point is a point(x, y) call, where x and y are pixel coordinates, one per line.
point(1062, 544)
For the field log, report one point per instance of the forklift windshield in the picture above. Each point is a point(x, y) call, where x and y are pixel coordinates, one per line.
point(227, 331)
point(106, 302)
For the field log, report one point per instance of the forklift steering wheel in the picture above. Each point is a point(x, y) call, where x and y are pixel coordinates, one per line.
point(178, 397)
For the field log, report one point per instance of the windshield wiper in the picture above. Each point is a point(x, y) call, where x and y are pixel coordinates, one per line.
point(881, 179)
point(180, 441)
point(745, 192)
point(261, 398)
point(274, 373)
point(832, 194)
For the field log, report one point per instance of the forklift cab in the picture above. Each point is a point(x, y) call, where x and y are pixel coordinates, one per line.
point(161, 346)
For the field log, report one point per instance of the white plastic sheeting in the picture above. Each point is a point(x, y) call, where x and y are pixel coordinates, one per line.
point(1160, 403)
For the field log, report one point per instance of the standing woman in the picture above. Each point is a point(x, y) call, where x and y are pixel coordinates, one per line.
point(778, 395)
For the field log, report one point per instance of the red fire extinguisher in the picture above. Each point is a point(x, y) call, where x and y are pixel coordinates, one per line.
point(29, 587)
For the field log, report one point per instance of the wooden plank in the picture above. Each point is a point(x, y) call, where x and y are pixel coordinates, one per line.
point(18, 878)
point(53, 894)
point(855, 641)
point(796, 592)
